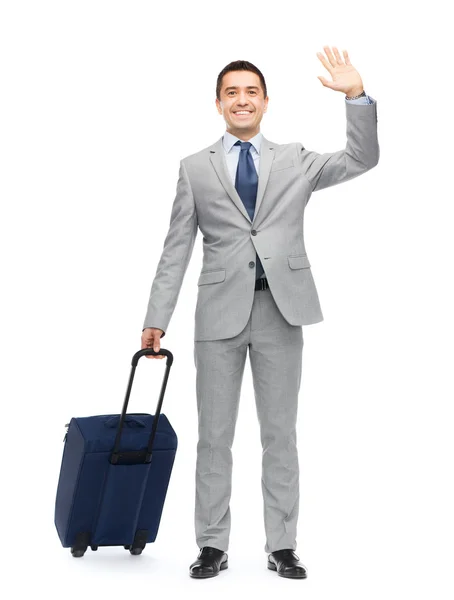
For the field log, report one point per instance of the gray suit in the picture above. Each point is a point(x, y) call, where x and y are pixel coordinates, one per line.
point(231, 316)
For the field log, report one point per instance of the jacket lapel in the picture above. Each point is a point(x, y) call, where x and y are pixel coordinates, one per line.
point(217, 157)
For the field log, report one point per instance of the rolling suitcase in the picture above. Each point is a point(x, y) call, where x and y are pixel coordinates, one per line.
point(114, 475)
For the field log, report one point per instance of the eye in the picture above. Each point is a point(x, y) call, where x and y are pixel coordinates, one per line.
point(251, 92)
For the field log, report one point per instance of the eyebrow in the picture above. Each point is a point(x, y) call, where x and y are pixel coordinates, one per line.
point(234, 87)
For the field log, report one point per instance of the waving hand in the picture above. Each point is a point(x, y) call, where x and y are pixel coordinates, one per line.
point(345, 77)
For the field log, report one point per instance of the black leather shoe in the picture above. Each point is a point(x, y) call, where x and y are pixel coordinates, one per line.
point(287, 564)
point(209, 562)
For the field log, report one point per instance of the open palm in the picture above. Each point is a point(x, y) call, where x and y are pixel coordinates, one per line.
point(345, 77)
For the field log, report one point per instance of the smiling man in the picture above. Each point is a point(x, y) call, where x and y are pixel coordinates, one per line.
point(256, 290)
point(242, 105)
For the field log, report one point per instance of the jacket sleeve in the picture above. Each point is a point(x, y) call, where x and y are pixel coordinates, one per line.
point(360, 154)
point(175, 257)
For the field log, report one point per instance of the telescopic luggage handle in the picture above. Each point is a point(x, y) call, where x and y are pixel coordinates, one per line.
point(135, 457)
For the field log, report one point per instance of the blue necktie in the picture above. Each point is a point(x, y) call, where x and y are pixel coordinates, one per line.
point(246, 183)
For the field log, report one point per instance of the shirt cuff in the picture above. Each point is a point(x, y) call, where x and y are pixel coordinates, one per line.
point(363, 100)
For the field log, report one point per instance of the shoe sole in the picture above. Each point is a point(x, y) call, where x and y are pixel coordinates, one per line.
point(273, 567)
point(223, 566)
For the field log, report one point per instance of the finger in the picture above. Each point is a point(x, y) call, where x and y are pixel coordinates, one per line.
point(347, 60)
point(324, 62)
point(330, 55)
point(338, 56)
point(325, 82)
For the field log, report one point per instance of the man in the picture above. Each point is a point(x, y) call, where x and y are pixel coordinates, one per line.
point(247, 195)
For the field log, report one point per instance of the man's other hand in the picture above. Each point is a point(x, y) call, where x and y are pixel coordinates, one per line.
point(151, 339)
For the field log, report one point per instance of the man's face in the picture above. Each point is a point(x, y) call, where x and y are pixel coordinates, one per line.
point(241, 91)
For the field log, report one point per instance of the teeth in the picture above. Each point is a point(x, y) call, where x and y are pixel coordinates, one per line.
point(242, 112)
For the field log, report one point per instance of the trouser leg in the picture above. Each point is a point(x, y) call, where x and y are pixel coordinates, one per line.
point(275, 353)
point(220, 368)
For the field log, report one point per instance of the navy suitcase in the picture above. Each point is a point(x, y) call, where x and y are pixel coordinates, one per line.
point(114, 475)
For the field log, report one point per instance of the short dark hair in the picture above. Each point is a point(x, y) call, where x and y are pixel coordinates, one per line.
point(239, 65)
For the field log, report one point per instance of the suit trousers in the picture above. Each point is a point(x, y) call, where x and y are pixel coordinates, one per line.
point(275, 354)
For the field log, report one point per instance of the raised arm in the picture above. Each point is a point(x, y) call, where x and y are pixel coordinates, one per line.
point(362, 151)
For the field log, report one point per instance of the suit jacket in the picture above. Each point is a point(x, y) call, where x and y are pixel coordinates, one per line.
point(206, 199)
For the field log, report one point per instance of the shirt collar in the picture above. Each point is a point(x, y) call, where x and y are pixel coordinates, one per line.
point(229, 140)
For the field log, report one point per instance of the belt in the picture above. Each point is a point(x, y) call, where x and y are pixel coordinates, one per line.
point(261, 283)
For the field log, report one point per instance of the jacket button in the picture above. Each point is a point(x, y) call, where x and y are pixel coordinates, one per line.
point(254, 232)
point(252, 264)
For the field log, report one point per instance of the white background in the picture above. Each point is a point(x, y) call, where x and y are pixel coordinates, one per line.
point(100, 101)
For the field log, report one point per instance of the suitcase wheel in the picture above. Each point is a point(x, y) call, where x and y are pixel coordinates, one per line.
point(139, 543)
point(81, 544)
point(94, 548)
point(135, 550)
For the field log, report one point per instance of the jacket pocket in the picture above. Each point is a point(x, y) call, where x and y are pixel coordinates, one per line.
point(282, 164)
point(211, 276)
point(298, 261)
